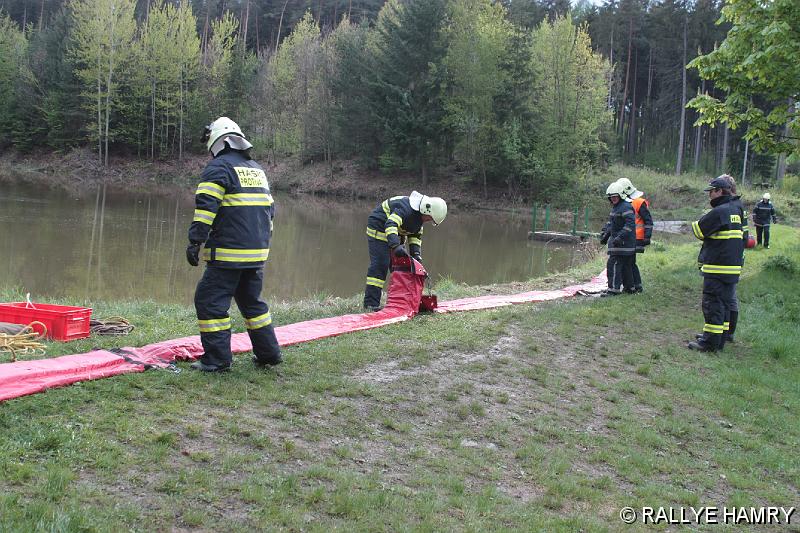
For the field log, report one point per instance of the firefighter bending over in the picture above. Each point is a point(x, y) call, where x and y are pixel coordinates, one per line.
point(394, 222)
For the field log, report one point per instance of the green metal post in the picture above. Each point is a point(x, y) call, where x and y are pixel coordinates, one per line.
point(586, 219)
point(574, 220)
point(533, 225)
point(547, 217)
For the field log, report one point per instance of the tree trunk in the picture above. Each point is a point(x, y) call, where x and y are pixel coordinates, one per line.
point(698, 137)
point(153, 122)
point(724, 158)
point(627, 75)
point(632, 132)
point(780, 171)
point(682, 134)
point(280, 23)
point(180, 119)
point(99, 119)
point(204, 40)
point(744, 166)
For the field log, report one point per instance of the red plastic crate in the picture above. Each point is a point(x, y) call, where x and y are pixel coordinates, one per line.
point(63, 322)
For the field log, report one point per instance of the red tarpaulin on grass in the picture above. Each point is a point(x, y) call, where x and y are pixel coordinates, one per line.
point(404, 294)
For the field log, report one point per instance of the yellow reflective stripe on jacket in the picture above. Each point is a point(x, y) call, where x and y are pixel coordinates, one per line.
point(214, 324)
point(247, 198)
point(727, 234)
point(714, 328)
point(392, 230)
point(376, 282)
point(386, 208)
point(206, 217)
point(211, 189)
point(259, 321)
point(721, 269)
point(397, 219)
point(415, 240)
point(726, 326)
point(375, 234)
point(232, 255)
point(696, 230)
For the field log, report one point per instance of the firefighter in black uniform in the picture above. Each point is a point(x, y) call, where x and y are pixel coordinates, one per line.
point(233, 221)
point(644, 225)
point(394, 221)
point(720, 262)
point(620, 234)
point(763, 214)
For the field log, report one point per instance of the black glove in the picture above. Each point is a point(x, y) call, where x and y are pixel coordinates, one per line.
point(400, 251)
point(193, 253)
point(604, 238)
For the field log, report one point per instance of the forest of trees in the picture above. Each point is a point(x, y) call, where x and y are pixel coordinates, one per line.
point(518, 94)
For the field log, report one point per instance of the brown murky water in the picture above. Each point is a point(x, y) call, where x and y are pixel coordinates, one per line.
point(107, 245)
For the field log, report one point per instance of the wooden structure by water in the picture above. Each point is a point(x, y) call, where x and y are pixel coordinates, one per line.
point(573, 236)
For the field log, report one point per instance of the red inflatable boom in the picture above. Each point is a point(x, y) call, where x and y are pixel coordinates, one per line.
point(404, 295)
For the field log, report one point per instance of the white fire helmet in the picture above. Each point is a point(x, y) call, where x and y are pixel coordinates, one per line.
point(223, 127)
point(435, 207)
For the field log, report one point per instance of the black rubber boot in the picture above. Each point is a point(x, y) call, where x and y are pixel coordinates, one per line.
point(709, 343)
point(202, 367)
point(732, 328)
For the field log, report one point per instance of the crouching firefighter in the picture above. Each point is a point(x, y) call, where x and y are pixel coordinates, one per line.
point(233, 221)
point(720, 262)
point(394, 222)
point(619, 232)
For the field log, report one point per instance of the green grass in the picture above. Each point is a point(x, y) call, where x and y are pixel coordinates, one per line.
point(546, 417)
point(680, 197)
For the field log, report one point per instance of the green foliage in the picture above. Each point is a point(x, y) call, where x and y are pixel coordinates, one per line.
point(568, 100)
point(781, 263)
point(757, 67)
point(167, 64)
point(791, 184)
point(295, 78)
point(57, 86)
point(102, 35)
point(13, 68)
point(352, 91)
point(479, 39)
point(410, 49)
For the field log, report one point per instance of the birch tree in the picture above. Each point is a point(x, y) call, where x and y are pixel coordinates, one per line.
point(569, 98)
point(103, 33)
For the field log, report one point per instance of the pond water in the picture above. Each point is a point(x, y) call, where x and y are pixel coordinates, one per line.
point(106, 245)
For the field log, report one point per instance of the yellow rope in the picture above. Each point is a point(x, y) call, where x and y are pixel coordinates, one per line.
point(24, 342)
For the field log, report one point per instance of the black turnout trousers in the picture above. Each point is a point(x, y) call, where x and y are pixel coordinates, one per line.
point(212, 300)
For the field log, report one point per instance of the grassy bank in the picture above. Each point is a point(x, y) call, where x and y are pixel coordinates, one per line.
point(547, 417)
point(682, 197)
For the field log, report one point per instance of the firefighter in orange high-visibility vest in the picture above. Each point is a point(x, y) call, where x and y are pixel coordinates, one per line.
point(644, 225)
